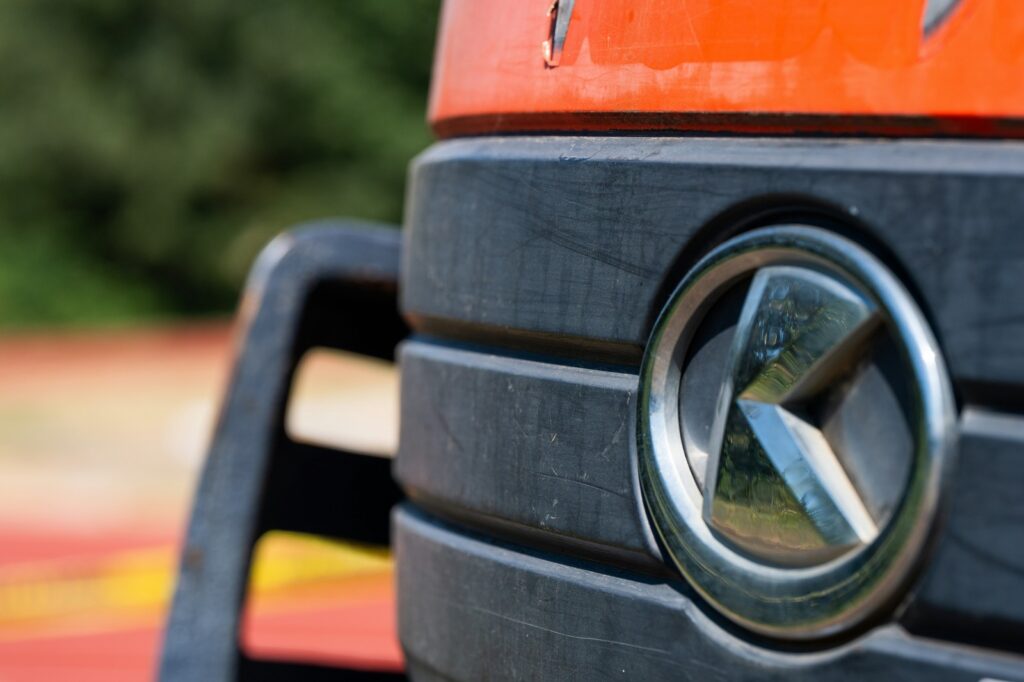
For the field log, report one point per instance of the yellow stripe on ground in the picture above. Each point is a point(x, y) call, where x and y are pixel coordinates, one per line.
point(128, 583)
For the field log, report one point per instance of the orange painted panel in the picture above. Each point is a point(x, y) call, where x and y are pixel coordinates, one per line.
point(677, 64)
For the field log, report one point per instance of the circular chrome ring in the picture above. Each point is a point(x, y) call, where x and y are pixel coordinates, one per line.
point(792, 602)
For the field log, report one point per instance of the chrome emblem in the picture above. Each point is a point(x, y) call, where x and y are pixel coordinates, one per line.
point(796, 423)
point(797, 332)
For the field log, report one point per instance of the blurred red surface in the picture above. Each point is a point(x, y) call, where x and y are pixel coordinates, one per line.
point(101, 437)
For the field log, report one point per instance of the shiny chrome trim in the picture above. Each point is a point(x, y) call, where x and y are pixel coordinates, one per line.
point(805, 602)
point(560, 14)
point(935, 14)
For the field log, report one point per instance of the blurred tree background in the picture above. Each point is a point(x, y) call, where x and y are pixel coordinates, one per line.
point(150, 148)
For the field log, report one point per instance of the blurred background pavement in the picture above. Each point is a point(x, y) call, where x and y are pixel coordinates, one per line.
point(148, 150)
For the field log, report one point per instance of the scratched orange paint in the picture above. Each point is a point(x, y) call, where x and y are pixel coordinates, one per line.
point(846, 57)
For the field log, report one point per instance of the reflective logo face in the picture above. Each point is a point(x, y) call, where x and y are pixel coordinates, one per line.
point(795, 422)
point(776, 487)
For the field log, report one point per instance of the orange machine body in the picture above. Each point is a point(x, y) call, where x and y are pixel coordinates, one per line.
point(848, 66)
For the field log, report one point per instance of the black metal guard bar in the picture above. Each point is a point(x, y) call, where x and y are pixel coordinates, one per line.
point(332, 285)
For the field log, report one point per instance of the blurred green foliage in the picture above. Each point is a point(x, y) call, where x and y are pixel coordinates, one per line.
point(149, 148)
